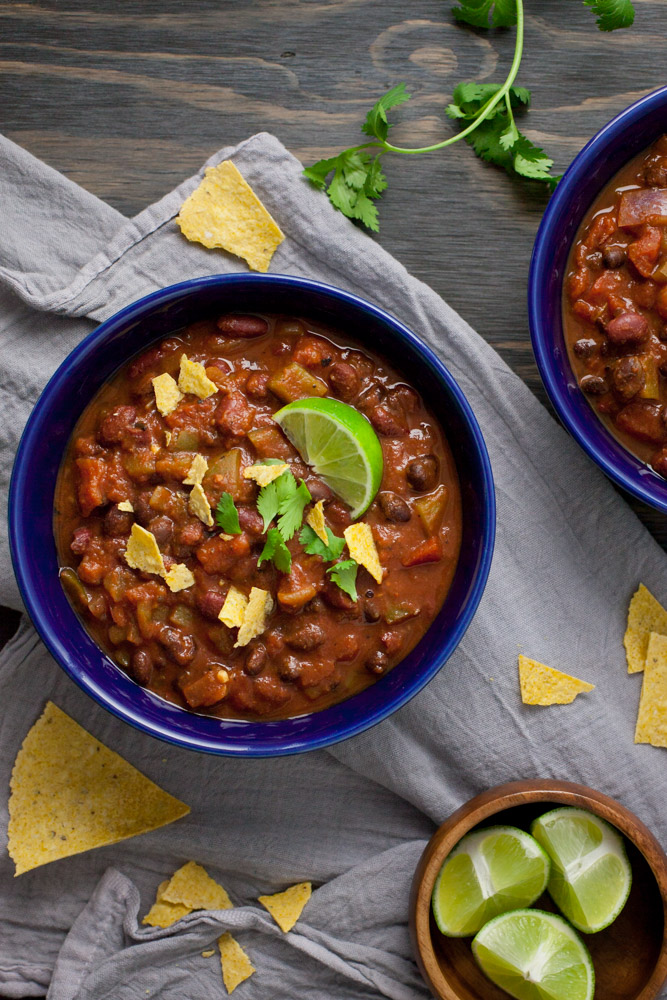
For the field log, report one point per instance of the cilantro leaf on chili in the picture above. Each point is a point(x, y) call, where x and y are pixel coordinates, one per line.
point(267, 502)
point(487, 13)
point(276, 551)
point(291, 508)
point(227, 516)
point(314, 545)
point(612, 14)
point(344, 575)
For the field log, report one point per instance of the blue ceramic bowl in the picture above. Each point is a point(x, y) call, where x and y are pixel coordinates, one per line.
point(46, 436)
point(632, 131)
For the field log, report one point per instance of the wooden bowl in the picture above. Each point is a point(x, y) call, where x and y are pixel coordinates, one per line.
point(630, 956)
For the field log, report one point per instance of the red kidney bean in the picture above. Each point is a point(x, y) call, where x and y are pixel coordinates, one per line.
point(628, 377)
point(627, 328)
point(163, 529)
point(180, 647)
point(242, 326)
point(251, 521)
point(344, 380)
point(305, 636)
point(377, 663)
point(117, 523)
point(142, 666)
point(210, 604)
point(255, 660)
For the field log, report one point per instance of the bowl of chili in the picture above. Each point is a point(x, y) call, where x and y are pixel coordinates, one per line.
point(596, 300)
point(42, 462)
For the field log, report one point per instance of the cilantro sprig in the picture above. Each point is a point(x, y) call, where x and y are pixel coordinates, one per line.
point(227, 516)
point(344, 575)
point(354, 180)
point(314, 545)
point(276, 550)
point(284, 498)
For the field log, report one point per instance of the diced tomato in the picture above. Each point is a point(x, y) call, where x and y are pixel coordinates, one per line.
point(206, 690)
point(578, 282)
point(92, 485)
point(426, 552)
point(601, 229)
point(607, 284)
point(218, 554)
point(587, 311)
point(644, 252)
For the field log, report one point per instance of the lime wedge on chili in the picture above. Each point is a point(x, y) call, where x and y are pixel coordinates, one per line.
point(590, 873)
point(489, 872)
point(339, 444)
point(535, 955)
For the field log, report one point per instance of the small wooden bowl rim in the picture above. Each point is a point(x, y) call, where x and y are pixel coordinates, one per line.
point(519, 793)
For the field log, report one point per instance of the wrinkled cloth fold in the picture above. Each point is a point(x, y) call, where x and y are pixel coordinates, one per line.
point(354, 819)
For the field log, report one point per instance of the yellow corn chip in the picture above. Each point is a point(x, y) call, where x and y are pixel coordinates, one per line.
point(197, 471)
point(193, 378)
point(178, 578)
point(209, 953)
point(361, 544)
point(236, 966)
point(264, 474)
point(315, 518)
point(198, 504)
point(167, 438)
point(167, 393)
point(286, 907)
point(163, 914)
point(260, 606)
point(142, 551)
point(645, 615)
point(652, 715)
point(542, 685)
point(126, 505)
point(224, 212)
point(233, 610)
point(192, 886)
point(70, 793)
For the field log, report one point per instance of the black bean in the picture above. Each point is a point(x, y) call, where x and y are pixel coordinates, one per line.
point(393, 507)
point(141, 666)
point(593, 385)
point(422, 473)
point(372, 611)
point(305, 636)
point(377, 662)
point(613, 256)
point(585, 347)
point(117, 522)
point(255, 660)
point(163, 529)
point(180, 647)
point(628, 377)
point(289, 668)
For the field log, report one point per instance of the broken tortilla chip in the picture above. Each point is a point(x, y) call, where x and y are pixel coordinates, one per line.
point(315, 519)
point(233, 610)
point(142, 551)
point(198, 504)
point(197, 471)
point(163, 914)
point(286, 907)
point(264, 474)
point(259, 607)
point(192, 886)
point(193, 378)
point(542, 685)
point(225, 213)
point(236, 966)
point(652, 716)
point(645, 615)
point(126, 505)
point(361, 544)
point(179, 577)
point(167, 393)
point(70, 793)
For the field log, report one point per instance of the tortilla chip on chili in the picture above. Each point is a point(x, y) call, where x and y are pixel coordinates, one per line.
point(167, 393)
point(199, 506)
point(265, 474)
point(162, 913)
point(197, 471)
point(70, 793)
point(315, 520)
point(360, 542)
point(126, 505)
point(193, 378)
point(236, 966)
point(652, 715)
point(542, 685)
point(179, 577)
point(193, 887)
point(258, 608)
point(232, 611)
point(286, 907)
point(225, 213)
point(645, 615)
point(142, 551)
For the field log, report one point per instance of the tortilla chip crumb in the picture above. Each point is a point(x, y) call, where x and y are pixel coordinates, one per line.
point(264, 474)
point(233, 610)
point(208, 954)
point(126, 505)
point(193, 378)
point(192, 886)
point(167, 393)
point(361, 544)
point(225, 213)
point(645, 615)
point(315, 519)
point(652, 715)
point(70, 793)
point(142, 551)
point(259, 607)
point(236, 966)
point(162, 914)
point(542, 685)
point(199, 506)
point(179, 577)
point(286, 907)
point(197, 471)
point(167, 438)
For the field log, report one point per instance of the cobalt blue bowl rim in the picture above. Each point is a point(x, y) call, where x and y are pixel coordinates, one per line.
point(20, 512)
point(575, 412)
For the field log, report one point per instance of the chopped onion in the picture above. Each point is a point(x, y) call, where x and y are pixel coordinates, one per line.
point(645, 205)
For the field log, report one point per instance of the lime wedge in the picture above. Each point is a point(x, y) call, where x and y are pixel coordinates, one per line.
point(340, 445)
point(535, 955)
point(590, 873)
point(489, 872)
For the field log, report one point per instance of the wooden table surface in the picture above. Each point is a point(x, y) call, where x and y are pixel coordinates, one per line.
point(126, 98)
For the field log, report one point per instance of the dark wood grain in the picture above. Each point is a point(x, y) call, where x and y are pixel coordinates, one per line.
point(128, 98)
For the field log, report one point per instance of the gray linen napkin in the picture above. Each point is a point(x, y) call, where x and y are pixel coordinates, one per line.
point(354, 820)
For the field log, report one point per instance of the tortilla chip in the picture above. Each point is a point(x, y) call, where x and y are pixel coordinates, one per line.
point(193, 378)
point(260, 606)
point(163, 914)
point(126, 505)
point(70, 793)
point(209, 953)
point(542, 685)
point(652, 715)
point(198, 505)
point(167, 393)
point(142, 551)
point(179, 577)
point(264, 474)
point(192, 886)
point(315, 518)
point(197, 471)
point(236, 966)
point(233, 610)
point(286, 907)
point(224, 212)
point(645, 615)
point(361, 544)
